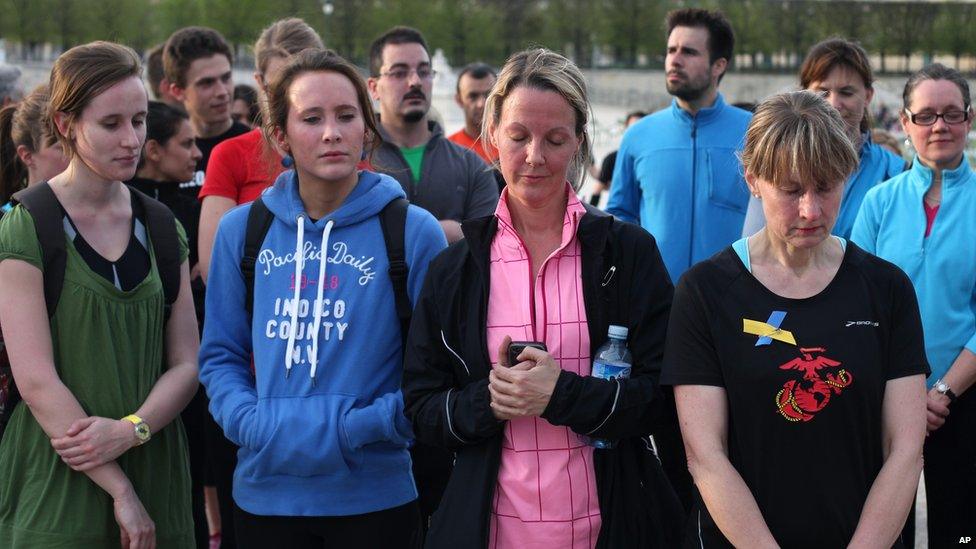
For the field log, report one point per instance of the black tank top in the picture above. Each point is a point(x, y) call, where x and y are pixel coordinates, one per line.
point(132, 267)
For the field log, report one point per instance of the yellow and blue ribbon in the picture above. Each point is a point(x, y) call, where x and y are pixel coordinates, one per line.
point(769, 330)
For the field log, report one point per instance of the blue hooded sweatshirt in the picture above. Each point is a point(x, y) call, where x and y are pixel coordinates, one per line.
point(679, 177)
point(875, 164)
point(320, 420)
point(942, 266)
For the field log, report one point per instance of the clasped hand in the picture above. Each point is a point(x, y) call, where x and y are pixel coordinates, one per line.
point(523, 389)
point(94, 441)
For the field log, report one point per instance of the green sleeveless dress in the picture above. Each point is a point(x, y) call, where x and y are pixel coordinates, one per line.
point(108, 349)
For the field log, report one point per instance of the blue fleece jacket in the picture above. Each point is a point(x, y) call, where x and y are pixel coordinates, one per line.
point(320, 420)
point(891, 225)
point(679, 176)
point(876, 164)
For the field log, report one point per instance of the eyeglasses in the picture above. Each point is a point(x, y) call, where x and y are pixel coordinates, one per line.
point(929, 118)
point(423, 73)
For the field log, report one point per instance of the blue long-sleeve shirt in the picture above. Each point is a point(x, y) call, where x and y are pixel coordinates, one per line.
point(875, 165)
point(942, 266)
point(679, 176)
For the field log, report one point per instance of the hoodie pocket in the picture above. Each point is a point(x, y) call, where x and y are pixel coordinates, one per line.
point(301, 436)
point(726, 187)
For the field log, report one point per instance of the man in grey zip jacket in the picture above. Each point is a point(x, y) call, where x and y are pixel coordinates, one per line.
point(449, 181)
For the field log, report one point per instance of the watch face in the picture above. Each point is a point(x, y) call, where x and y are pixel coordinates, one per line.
point(142, 431)
point(941, 387)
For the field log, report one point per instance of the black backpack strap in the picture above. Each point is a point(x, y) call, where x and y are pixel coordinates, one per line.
point(165, 240)
point(46, 212)
point(259, 220)
point(393, 219)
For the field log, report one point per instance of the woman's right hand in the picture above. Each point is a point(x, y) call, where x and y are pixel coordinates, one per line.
point(137, 529)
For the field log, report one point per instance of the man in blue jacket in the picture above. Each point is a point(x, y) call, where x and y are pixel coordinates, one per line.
point(677, 173)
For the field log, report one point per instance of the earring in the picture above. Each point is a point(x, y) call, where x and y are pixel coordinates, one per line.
point(287, 161)
point(908, 143)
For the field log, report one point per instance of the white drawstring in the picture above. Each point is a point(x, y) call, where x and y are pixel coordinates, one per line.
point(318, 299)
point(299, 264)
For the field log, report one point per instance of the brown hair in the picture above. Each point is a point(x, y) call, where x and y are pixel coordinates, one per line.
point(543, 69)
point(284, 38)
point(935, 71)
point(83, 73)
point(316, 60)
point(23, 123)
point(825, 56)
point(186, 46)
point(798, 134)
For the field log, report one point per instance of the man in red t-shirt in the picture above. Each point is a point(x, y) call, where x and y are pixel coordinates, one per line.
point(473, 85)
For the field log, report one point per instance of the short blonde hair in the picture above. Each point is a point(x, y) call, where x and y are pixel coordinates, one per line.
point(546, 70)
point(798, 135)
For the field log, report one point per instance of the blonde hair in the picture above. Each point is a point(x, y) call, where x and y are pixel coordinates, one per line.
point(284, 38)
point(798, 135)
point(543, 69)
point(81, 74)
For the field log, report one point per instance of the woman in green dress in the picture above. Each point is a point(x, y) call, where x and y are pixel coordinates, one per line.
point(75, 475)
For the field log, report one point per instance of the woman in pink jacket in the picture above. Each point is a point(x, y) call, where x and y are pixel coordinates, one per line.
point(548, 269)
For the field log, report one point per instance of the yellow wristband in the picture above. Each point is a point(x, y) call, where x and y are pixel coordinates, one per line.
point(134, 419)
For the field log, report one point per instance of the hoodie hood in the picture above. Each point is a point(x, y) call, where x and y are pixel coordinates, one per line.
point(370, 195)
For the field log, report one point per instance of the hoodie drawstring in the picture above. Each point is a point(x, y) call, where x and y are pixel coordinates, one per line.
point(318, 299)
point(299, 265)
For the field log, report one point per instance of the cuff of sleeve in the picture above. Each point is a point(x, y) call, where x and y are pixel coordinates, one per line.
point(481, 403)
point(559, 399)
point(365, 425)
point(971, 344)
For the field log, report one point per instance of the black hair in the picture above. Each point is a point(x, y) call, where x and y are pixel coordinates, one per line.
point(477, 70)
point(249, 95)
point(721, 38)
point(162, 123)
point(396, 35)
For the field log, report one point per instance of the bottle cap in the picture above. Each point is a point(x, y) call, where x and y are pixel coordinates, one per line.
point(617, 332)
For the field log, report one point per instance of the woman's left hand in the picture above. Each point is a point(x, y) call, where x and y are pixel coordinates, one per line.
point(523, 390)
point(94, 441)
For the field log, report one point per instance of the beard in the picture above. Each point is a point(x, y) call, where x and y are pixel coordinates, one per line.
point(414, 115)
point(689, 90)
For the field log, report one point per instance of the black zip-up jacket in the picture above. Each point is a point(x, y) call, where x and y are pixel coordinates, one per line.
point(445, 383)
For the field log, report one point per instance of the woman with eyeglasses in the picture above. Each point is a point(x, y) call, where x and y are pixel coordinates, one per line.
point(924, 221)
point(839, 70)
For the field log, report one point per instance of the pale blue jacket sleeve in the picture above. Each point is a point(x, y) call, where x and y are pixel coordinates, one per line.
point(625, 195)
point(868, 222)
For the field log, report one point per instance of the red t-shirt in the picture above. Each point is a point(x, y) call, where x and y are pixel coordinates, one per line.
point(240, 168)
point(484, 150)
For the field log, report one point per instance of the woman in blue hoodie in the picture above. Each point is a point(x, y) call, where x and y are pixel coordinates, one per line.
point(924, 221)
point(318, 413)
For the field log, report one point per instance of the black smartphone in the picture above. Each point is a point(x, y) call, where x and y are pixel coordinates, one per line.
point(516, 348)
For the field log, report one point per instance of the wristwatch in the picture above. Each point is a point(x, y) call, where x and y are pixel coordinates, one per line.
point(943, 388)
point(143, 432)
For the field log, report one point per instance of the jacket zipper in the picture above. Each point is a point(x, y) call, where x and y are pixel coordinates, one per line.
point(694, 186)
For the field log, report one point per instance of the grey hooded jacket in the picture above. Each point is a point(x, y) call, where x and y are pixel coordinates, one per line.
point(455, 182)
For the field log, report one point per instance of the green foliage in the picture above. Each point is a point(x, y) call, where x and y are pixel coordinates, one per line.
point(771, 34)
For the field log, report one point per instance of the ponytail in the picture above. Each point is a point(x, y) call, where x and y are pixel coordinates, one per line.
point(13, 172)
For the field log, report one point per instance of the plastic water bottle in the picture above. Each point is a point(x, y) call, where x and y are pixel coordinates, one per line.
point(612, 361)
